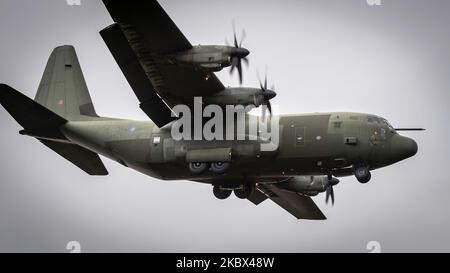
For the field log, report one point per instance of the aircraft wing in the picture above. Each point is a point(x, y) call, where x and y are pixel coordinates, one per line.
point(299, 205)
point(140, 39)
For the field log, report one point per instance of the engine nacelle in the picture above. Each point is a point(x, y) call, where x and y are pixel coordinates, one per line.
point(212, 58)
point(309, 185)
point(237, 96)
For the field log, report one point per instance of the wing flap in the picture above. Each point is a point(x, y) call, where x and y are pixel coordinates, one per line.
point(257, 197)
point(299, 205)
point(153, 106)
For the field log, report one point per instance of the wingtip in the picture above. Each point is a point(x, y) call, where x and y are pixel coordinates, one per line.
point(5, 92)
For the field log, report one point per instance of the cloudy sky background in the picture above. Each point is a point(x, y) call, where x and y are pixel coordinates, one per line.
point(323, 55)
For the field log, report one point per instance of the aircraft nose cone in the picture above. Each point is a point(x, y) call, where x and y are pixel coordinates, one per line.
point(402, 148)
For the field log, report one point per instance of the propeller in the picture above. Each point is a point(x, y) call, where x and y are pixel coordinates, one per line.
point(266, 96)
point(329, 190)
point(238, 54)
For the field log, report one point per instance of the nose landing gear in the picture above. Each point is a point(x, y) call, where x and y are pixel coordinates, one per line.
point(362, 173)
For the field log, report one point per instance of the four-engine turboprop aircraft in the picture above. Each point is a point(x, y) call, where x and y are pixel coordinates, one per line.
point(165, 70)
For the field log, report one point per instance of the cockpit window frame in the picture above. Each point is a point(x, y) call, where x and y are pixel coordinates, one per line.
point(385, 122)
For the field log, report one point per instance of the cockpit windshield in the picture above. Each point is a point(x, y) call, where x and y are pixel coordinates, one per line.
point(382, 121)
point(388, 125)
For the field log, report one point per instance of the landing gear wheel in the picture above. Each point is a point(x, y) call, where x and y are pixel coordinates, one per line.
point(363, 174)
point(245, 191)
point(198, 167)
point(221, 193)
point(220, 167)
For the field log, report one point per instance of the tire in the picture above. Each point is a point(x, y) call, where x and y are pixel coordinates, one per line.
point(363, 174)
point(245, 191)
point(220, 193)
point(365, 180)
point(198, 167)
point(220, 167)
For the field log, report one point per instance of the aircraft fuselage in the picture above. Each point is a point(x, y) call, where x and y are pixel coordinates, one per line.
point(315, 144)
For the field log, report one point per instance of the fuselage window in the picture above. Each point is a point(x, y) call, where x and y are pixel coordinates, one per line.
point(337, 124)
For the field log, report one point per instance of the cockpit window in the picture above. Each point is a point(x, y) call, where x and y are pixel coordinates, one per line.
point(382, 121)
point(385, 122)
point(373, 119)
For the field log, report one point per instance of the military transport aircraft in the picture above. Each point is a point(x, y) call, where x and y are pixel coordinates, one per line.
point(165, 70)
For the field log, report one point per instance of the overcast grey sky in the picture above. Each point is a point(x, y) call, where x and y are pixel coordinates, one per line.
point(323, 55)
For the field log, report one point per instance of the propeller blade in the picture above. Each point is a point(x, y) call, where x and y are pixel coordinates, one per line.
point(234, 64)
point(269, 107)
point(264, 112)
point(265, 83)
point(244, 35)
point(327, 195)
point(239, 68)
point(260, 82)
point(330, 190)
point(332, 195)
point(234, 34)
point(246, 61)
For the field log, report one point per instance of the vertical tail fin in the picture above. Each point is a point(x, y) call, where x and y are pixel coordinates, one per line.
point(63, 88)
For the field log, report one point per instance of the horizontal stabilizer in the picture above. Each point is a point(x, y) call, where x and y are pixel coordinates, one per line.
point(40, 122)
point(33, 117)
point(84, 159)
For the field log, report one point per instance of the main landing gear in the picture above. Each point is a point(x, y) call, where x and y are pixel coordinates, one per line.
point(362, 173)
point(216, 167)
point(221, 193)
point(243, 191)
